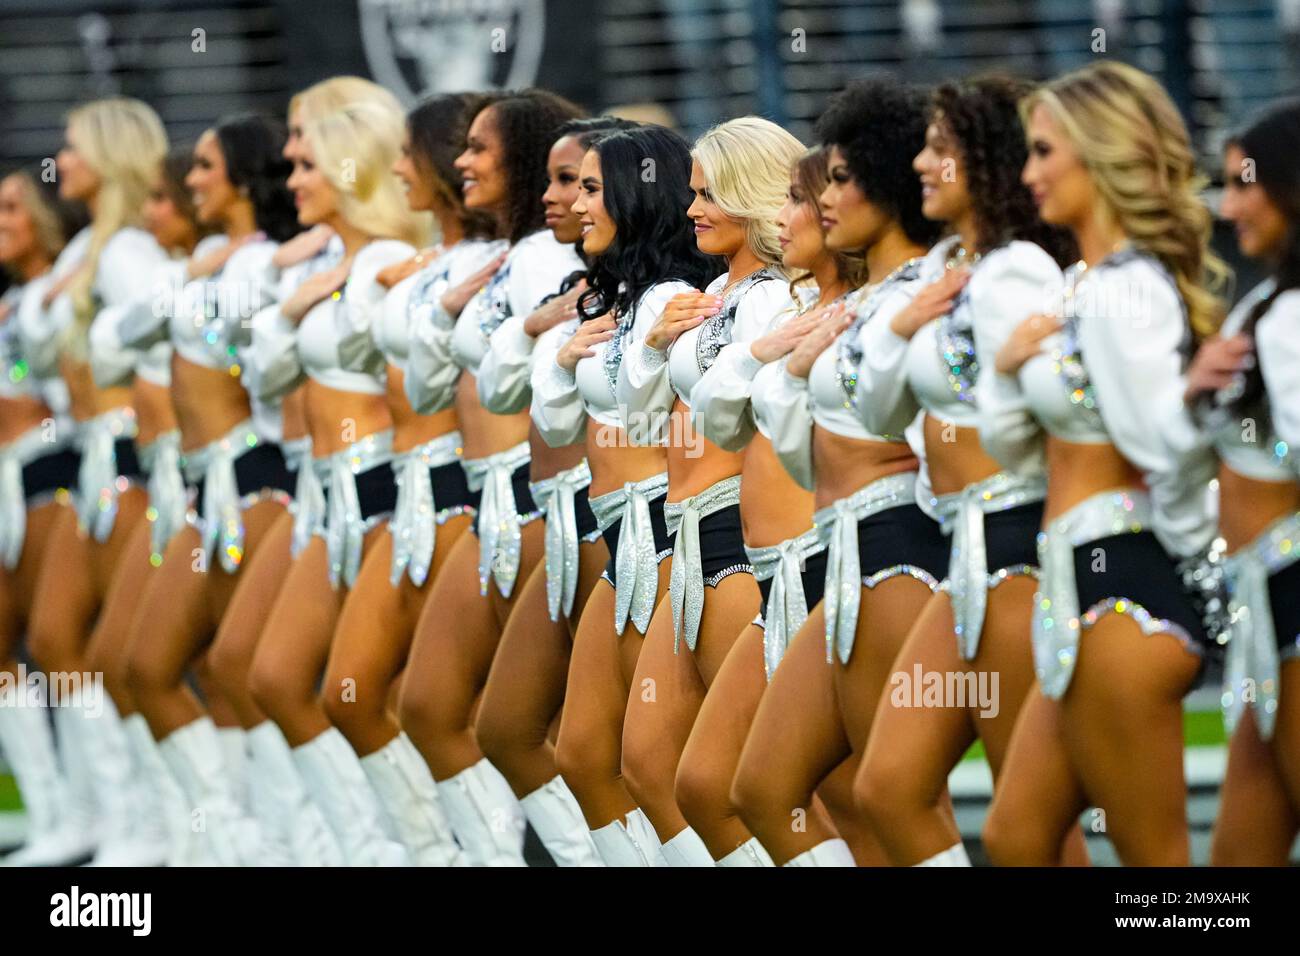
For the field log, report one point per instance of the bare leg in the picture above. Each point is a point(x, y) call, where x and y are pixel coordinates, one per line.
point(18, 587)
point(107, 650)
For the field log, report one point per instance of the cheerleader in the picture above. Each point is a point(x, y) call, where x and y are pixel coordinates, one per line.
point(110, 157)
point(1249, 406)
point(1121, 622)
point(320, 333)
point(739, 177)
point(231, 461)
point(504, 172)
point(434, 504)
point(524, 695)
point(642, 254)
point(883, 556)
point(981, 282)
point(37, 469)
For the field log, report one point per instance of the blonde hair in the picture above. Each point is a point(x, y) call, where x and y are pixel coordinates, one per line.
point(354, 147)
point(47, 222)
point(746, 164)
point(1134, 144)
point(124, 142)
point(327, 96)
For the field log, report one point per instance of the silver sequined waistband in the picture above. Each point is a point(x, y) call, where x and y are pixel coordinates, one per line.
point(416, 517)
point(787, 605)
point(98, 486)
point(686, 583)
point(221, 522)
point(555, 496)
point(499, 525)
point(636, 569)
point(345, 529)
point(168, 501)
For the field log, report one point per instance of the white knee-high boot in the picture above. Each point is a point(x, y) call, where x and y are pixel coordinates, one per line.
point(56, 836)
point(827, 853)
point(408, 795)
point(687, 849)
point(749, 853)
point(630, 843)
point(556, 817)
point(168, 802)
point(293, 827)
point(193, 755)
point(337, 784)
point(485, 816)
point(74, 760)
point(234, 754)
point(955, 855)
point(131, 832)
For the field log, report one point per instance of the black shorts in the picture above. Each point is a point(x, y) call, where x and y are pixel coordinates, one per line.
point(904, 537)
point(451, 488)
point(584, 517)
point(376, 491)
point(813, 577)
point(1136, 569)
point(1284, 598)
point(49, 473)
point(258, 468)
point(525, 507)
point(722, 546)
point(128, 462)
point(663, 544)
point(1011, 537)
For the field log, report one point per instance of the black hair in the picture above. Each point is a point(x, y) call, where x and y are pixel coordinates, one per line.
point(526, 121)
point(653, 239)
point(878, 124)
point(253, 147)
point(982, 114)
point(437, 128)
point(1272, 141)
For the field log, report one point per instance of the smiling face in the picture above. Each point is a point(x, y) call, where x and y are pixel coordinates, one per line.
point(482, 165)
point(419, 191)
point(214, 194)
point(1260, 225)
point(850, 220)
point(944, 197)
point(77, 180)
point(1054, 173)
point(598, 229)
point(314, 195)
point(164, 220)
point(801, 237)
point(562, 166)
point(18, 239)
point(716, 233)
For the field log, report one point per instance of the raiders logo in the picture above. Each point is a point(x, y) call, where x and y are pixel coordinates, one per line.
point(418, 47)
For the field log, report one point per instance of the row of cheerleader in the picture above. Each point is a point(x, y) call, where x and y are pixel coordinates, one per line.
point(401, 481)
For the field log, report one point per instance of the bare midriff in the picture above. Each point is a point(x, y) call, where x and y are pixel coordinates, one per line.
point(483, 432)
point(209, 402)
point(545, 461)
point(614, 460)
point(694, 462)
point(293, 415)
point(19, 415)
point(1077, 471)
point(339, 419)
point(843, 465)
point(85, 399)
point(1248, 505)
point(411, 429)
point(772, 505)
point(154, 414)
point(955, 456)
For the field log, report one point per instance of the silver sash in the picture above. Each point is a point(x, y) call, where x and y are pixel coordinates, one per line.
point(414, 525)
point(14, 457)
point(98, 485)
point(837, 525)
point(221, 515)
point(636, 565)
point(686, 582)
point(345, 529)
point(1057, 621)
point(961, 514)
point(1252, 653)
point(555, 496)
point(168, 501)
point(307, 487)
point(787, 605)
point(499, 524)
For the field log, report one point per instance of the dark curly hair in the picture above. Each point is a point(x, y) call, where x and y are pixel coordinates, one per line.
point(253, 148)
point(982, 115)
point(526, 121)
point(437, 128)
point(653, 239)
point(879, 124)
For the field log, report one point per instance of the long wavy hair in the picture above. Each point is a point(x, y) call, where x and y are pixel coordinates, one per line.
point(1272, 141)
point(746, 163)
point(527, 121)
point(337, 92)
point(812, 175)
point(653, 239)
point(123, 141)
point(1134, 144)
point(437, 127)
point(54, 220)
point(252, 147)
point(982, 116)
